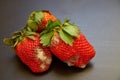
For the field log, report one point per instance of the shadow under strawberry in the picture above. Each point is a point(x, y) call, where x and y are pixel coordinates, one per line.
point(60, 68)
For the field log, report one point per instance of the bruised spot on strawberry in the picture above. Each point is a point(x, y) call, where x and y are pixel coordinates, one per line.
point(72, 60)
point(42, 66)
point(55, 39)
point(82, 66)
point(43, 57)
point(40, 54)
point(48, 60)
point(69, 63)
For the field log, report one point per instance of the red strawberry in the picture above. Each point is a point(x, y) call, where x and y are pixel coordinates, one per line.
point(84, 50)
point(39, 19)
point(28, 48)
point(67, 43)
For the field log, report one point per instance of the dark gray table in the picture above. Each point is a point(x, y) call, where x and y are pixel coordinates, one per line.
point(99, 20)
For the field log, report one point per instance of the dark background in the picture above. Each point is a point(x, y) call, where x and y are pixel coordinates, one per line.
point(99, 20)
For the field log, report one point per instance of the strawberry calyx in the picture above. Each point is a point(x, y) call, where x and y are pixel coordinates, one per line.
point(34, 19)
point(18, 36)
point(67, 31)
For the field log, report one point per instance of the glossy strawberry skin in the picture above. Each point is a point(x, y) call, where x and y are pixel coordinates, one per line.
point(26, 51)
point(79, 54)
point(47, 16)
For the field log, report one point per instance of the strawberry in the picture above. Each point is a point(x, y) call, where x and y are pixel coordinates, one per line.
point(67, 43)
point(38, 20)
point(28, 48)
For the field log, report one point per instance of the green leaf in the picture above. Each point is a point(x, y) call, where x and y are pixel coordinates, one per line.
point(31, 37)
point(52, 24)
point(44, 32)
point(8, 41)
point(46, 39)
point(39, 16)
point(35, 19)
point(15, 36)
point(16, 33)
point(66, 20)
point(28, 33)
point(71, 29)
point(36, 16)
point(19, 38)
point(16, 42)
point(28, 29)
point(32, 25)
point(66, 37)
point(32, 16)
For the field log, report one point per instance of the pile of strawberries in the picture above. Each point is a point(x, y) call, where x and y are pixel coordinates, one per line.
point(43, 36)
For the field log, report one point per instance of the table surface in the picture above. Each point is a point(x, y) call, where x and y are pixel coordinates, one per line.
point(99, 20)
